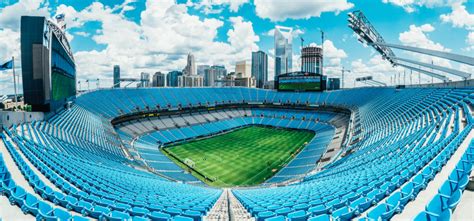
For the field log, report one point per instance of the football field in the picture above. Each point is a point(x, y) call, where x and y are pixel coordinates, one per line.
point(243, 157)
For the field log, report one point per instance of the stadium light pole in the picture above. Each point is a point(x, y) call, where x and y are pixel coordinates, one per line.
point(343, 71)
point(322, 49)
point(14, 82)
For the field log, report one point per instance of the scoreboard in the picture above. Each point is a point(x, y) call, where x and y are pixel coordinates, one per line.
point(300, 81)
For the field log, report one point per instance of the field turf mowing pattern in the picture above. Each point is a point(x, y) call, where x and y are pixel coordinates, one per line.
point(243, 157)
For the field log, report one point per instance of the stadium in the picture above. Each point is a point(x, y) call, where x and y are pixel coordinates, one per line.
point(297, 152)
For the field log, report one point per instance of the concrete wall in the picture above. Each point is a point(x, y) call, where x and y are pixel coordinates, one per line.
point(8, 118)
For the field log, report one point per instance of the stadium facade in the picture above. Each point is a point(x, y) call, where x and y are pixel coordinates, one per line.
point(48, 67)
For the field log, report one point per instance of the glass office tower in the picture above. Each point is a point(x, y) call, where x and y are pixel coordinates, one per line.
point(283, 50)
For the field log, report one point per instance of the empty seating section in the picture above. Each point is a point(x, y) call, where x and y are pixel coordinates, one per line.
point(406, 143)
point(95, 190)
point(93, 128)
point(398, 142)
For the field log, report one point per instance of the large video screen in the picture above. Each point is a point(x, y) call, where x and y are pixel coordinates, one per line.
point(300, 83)
point(62, 86)
point(63, 72)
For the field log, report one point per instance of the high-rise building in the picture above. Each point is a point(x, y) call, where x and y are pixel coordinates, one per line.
point(201, 69)
point(283, 50)
point(190, 77)
point(144, 79)
point(116, 76)
point(260, 68)
point(311, 59)
point(243, 69)
point(190, 81)
point(190, 68)
point(243, 75)
point(158, 80)
point(172, 78)
point(213, 74)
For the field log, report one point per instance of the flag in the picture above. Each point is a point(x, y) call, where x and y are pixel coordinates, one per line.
point(6, 66)
point(60, 17)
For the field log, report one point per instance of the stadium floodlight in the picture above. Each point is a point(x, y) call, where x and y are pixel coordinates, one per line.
point(368, 35)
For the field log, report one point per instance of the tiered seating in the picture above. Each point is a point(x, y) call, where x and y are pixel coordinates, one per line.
point(449, 195)
point(404, 156)
point(115, 191)
point(93, 128)
point(399, 141)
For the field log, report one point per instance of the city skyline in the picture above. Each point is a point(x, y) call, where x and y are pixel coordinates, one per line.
point(229, 32)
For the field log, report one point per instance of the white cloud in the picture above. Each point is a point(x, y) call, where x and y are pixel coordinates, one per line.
point(10, 37)
point(470, 41)
point(160, 42)
point(10, 15)
point(281, 10)
point(9, 46)
point(417, 36)
point(459, 17)
point(216, 6)
point(81, 33)
point(296, 32)
point(239, 36)
point(380, 69)
point(411, 5)
point(333, 55)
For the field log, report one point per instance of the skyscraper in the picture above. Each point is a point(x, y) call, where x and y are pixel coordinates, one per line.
point(311, 59)
point(145, 79)
point(201, 69)
point(158, 80)
point(190, 68)
point(116, 76)
point(243, 75)
point(213, 74)
point(243, 69)
point(172, 78)
point(190, 77)
point(283, 50)
point(260, 68)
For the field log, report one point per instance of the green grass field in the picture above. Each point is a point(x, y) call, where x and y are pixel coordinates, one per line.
point(243, 157)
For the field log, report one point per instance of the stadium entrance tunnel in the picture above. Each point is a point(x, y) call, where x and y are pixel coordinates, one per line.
point(230, 145)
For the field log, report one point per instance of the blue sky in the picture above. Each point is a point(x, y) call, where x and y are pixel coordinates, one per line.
point(156, 35)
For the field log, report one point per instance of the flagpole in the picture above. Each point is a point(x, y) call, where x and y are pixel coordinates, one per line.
point(14, 81)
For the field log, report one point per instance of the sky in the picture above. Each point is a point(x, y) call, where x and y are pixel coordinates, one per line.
point(156, 35)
